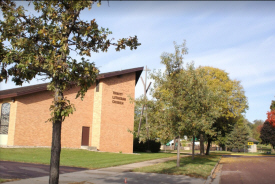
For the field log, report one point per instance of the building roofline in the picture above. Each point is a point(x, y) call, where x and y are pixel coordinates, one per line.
point(10, 93)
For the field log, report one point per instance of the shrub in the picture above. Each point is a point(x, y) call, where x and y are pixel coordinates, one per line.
point(154, 146)
point(139, 146)
point(151, 145)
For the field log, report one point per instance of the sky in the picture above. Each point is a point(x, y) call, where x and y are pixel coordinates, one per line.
point(237, 37)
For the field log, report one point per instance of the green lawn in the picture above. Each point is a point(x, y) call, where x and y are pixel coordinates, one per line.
point(200, 167)
point(77, 157)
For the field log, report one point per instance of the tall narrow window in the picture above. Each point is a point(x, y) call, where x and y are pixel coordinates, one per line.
point(97, 86)
point(5, 117)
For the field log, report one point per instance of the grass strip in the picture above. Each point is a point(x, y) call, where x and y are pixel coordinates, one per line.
point(240, 153)
point(77, 157)
point(7, 180)
point(3, 180)
point(200, 167)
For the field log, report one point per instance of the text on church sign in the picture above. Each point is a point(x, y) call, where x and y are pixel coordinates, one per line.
point(117, 98)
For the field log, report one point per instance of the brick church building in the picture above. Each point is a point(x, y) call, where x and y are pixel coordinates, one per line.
point(102, 120)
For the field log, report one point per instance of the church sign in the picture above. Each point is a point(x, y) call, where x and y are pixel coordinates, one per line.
point(117, 98)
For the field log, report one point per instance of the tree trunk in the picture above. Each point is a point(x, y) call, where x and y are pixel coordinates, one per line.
point(55, 153)
point(56, 138)
point(201, 144)
point(193, 148)
point(209, 140)
point(174, 143)
point(178, 153)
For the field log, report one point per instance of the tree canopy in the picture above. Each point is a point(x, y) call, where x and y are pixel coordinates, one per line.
point(271, 114)
point(256, 127)
point(41, 45)
point(233, 102)
point(268, 134)
point(182, 100)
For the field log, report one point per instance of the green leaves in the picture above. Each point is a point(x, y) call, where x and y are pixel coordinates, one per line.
point(231, 100)
point(182, 96)
point(61, 109)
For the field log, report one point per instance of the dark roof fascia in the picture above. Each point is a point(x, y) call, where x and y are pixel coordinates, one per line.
point(121, 72)
point(10, 93)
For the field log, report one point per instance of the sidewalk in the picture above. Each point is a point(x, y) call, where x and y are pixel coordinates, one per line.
point(117, 175)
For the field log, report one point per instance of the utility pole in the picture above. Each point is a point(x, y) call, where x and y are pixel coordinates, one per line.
point(144, 106)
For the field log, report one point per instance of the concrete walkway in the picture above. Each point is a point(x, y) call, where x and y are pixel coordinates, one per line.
point(117, 175)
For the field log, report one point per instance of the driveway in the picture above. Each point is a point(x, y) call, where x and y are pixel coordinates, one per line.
point(247, 169)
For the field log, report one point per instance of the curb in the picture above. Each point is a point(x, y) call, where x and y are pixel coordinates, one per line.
point(210, 178)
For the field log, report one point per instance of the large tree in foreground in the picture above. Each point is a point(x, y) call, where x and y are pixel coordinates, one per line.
point(40, 45)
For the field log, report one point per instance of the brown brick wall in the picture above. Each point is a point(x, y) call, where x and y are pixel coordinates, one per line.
point(116, 119)
point(33, 111)
point(30, 127)
point(83, 116)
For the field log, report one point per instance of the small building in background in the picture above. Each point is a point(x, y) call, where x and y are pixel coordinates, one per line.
point(252, 145)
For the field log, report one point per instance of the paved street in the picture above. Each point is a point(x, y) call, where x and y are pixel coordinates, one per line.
point(247, 170)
